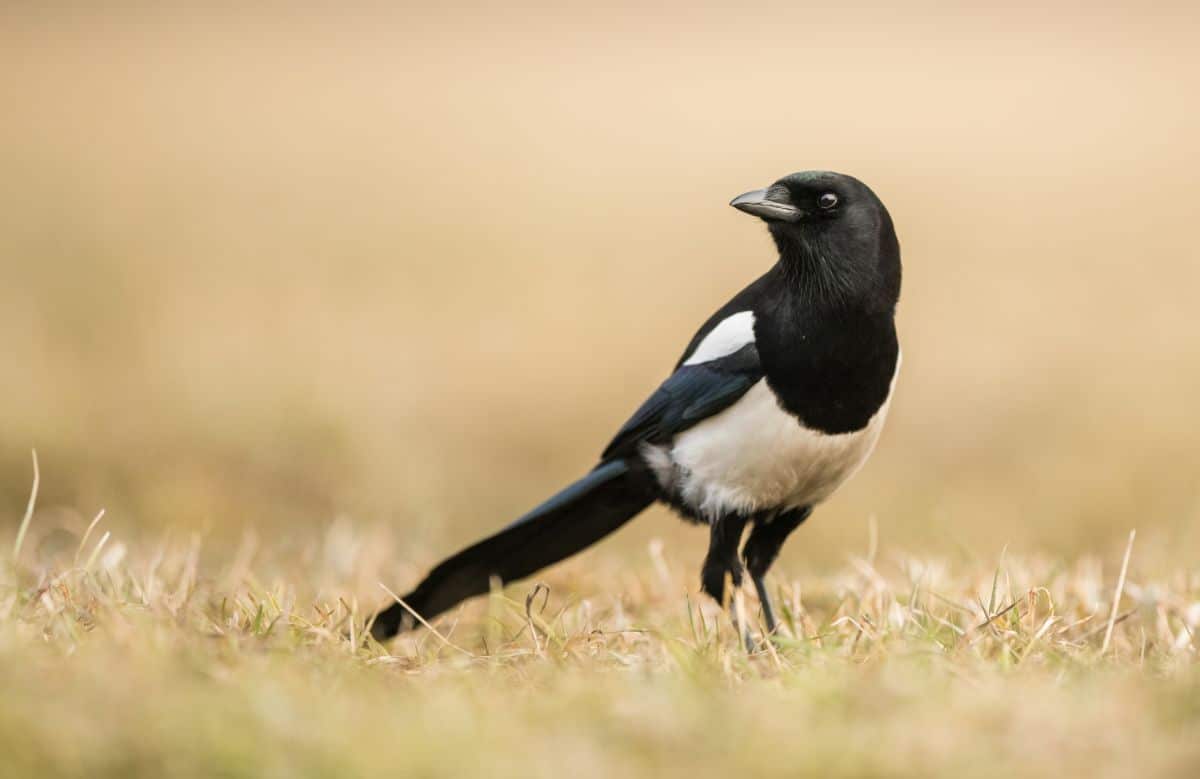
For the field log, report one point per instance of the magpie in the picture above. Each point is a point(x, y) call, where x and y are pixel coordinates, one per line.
point(777, 400)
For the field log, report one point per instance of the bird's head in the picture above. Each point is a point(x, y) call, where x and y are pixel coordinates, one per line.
point(831, 229)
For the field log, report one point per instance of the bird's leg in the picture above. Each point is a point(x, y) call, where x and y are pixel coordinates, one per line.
point(724, 536)
point(764, 597)
point(761, 549)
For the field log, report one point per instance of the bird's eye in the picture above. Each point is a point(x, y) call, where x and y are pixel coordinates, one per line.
point(827, 201)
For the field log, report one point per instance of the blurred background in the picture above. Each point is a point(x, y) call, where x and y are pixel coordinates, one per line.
point(408, 268)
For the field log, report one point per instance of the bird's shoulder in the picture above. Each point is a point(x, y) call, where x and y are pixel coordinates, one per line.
point(719, 365)
point(736, 316)
point(691, 394)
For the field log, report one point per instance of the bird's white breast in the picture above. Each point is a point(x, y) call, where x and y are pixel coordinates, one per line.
point(754, 456)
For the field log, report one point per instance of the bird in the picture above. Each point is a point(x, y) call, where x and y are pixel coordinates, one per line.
point(777, 400)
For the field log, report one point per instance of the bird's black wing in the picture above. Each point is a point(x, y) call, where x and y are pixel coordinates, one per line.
point(690, 395)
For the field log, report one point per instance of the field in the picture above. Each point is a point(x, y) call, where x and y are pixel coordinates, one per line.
point(295, 303)
point(129, 666)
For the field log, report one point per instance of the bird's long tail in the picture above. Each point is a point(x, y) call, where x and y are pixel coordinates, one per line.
point(575, 518)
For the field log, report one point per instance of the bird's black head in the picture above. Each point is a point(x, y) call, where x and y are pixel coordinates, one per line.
point(834, 235)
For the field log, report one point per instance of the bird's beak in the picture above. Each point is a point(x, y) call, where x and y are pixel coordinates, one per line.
point(771, 204)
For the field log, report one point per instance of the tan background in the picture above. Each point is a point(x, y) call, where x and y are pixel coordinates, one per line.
point(411, 268)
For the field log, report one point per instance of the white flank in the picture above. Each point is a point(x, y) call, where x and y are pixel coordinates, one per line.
point(755, 456)
point(733, 332)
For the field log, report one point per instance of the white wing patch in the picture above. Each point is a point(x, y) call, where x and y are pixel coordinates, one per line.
point(733, 332)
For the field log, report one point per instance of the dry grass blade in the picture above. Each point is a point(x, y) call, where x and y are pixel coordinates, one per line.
point(421, 619)
point(1112, 617)
point(25, 520)
point(96, 552)
point(998, 615)
point(88, 534)
point(1108, 626)
point(530, 597)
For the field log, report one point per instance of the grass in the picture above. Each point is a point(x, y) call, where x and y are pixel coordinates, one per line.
point(133, 659)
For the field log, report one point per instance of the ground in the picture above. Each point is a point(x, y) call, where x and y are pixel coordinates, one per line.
point(127, 659)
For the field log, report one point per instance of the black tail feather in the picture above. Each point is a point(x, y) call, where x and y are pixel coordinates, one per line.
point(570, 521)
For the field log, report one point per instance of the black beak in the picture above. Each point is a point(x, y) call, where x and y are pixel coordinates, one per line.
point(772, 205)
